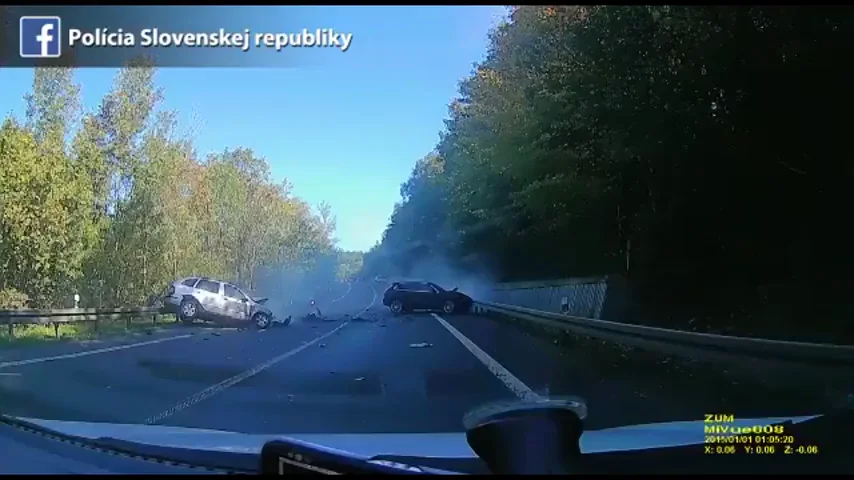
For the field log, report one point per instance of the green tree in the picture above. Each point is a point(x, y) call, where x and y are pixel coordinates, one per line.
point(689, 149)
point(43, 210)
point(130, 207)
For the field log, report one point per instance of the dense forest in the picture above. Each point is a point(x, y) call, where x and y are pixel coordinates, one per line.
point(697, 152)
point(114, 204)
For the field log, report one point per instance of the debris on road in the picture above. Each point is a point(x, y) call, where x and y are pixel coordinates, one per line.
point(359, 379)
point(420, 345)
point(322, 345)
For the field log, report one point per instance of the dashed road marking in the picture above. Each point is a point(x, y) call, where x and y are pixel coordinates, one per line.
point(373, 301)
point(349, 287)
point(219, 387)
point(86, 353)
point(508, 379)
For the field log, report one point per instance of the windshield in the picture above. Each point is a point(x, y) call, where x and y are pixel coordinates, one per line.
point(657, 167)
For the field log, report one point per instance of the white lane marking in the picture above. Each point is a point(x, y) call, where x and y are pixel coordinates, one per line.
point(508, 379)
point(349, 287)
point(214, 389)
point(373, 301)
point(85, 353)
point(9, 374)
point(219, 387)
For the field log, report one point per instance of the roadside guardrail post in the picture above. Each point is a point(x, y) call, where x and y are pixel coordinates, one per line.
point(57, 317)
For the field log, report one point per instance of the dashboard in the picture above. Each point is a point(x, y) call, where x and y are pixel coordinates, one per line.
point(29, 449)
point(26, 450)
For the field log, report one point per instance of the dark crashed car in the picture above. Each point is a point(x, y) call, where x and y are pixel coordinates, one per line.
point(409, 296)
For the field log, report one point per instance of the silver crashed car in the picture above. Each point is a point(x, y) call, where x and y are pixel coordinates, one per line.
point(213, 300)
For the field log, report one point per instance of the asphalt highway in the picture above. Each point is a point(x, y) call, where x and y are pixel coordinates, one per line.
point(363, 370)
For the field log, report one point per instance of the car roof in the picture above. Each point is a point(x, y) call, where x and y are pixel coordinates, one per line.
point(209, 279)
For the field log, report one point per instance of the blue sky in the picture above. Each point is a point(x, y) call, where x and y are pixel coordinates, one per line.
point(347, 130)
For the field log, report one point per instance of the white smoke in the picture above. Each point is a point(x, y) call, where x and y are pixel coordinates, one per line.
point(291, 289)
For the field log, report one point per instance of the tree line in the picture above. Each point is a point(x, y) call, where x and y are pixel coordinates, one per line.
point(697, 152)
point(115, 203)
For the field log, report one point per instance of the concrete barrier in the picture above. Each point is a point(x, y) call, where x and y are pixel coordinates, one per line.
point(592, 297)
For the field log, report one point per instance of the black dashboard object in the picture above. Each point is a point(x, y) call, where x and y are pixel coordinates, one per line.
point(529, 441)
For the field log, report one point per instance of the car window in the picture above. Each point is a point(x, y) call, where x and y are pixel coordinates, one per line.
point(208, 286)
point(417, 287)
point(232, 292)
point(189, 282)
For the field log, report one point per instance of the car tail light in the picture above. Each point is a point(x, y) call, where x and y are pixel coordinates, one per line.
point(170, 290)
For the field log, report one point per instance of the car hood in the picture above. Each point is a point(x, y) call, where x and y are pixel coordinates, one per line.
point(433, 445)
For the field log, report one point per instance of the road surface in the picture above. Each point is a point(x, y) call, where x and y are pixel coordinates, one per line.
point(363, 370)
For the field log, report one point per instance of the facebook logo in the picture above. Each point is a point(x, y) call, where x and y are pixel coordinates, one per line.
point(40, 37)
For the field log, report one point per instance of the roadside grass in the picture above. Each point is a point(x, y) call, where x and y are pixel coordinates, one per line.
point(79, 331)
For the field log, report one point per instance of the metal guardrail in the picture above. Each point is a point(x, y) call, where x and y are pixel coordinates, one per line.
point(72, 315)
point(549, 283)
point(661, 337)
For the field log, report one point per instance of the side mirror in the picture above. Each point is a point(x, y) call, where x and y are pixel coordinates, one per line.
point(455, 289)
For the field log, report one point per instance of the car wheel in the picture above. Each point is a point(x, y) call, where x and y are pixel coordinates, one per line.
point(396, 307)
point(448, 307)
point(189, 310)
point(261, 321)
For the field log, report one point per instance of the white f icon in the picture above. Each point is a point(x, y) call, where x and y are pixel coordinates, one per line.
point(45, 37)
